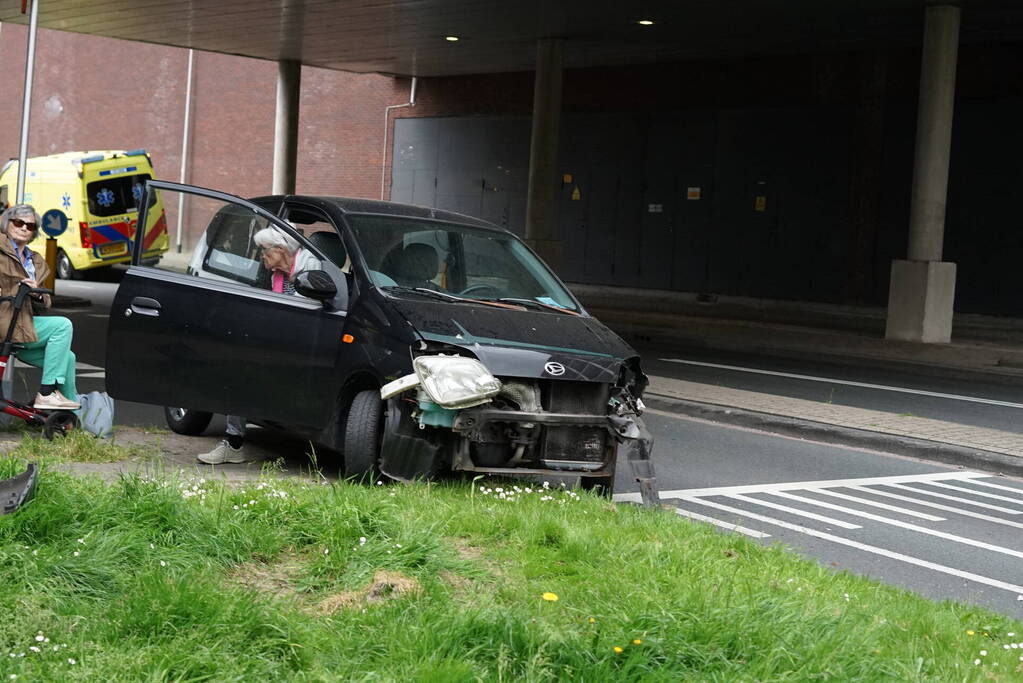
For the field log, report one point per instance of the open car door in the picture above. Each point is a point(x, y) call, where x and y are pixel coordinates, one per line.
point(204, 330)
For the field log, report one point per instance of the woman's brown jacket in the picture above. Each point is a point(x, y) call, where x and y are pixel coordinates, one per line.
point(12, 272)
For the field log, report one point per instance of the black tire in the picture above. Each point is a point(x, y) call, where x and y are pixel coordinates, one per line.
point(363, 430)
point(59, 423)
point(65, 269)
point(185, 421)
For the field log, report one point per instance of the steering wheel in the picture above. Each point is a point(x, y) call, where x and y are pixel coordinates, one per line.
point(472, 289)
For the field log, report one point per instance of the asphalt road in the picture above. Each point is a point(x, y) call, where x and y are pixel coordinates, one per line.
point(912, 531)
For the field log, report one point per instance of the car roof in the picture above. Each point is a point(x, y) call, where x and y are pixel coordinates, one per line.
point(356, 205)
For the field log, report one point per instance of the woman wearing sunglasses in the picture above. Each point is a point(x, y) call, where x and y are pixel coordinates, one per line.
point(43, 341)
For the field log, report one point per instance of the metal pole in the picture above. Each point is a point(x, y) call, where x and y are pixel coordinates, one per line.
point(184, 149)
point(27, 102)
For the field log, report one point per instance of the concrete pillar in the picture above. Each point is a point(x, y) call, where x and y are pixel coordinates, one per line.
point(544, 175)
point(922, 290)
point(289, 88)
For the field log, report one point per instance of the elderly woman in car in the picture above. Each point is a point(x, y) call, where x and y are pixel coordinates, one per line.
point(285, 258)
point(43, 341)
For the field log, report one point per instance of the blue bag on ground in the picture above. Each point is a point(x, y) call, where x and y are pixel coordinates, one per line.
point(97, 413)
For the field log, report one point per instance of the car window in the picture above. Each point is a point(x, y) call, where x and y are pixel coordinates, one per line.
point(225, 240)
point(116, 194)
point(457, 259)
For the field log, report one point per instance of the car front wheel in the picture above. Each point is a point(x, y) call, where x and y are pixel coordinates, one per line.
point(65, 269)
point(187, 422)
point(363, 430)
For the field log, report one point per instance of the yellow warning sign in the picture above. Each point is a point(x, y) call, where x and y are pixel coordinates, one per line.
point(576, 195)
point(760, 204)
point(693, 193)
point(567, 178)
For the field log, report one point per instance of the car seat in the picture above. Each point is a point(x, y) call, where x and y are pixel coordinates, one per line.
point(332, 247)
point(414, 265)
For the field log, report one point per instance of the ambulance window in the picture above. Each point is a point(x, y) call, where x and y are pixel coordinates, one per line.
point(116, 195)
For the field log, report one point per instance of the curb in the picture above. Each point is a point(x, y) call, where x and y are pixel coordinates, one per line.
point(658, 340)
point(948, 454)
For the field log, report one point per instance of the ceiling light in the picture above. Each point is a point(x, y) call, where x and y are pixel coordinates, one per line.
point(451, 39)
point(645, 22)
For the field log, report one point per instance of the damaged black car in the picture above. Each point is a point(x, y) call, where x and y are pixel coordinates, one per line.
point(416, 342)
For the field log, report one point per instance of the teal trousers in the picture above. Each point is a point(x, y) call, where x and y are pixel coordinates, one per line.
point(52, 352)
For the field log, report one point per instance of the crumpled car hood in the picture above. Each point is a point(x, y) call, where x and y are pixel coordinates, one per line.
point(523, 343)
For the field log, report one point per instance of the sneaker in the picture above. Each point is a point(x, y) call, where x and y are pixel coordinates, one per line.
point(224, 453)
point(55, 401)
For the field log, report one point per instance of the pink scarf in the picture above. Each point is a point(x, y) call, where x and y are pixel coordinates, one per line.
point(277, 277)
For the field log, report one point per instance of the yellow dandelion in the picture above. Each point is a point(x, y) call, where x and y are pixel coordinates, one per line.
point(970, 633)
point(618, 650)
point(637, 641)
point(592, 620)
point(550, 597)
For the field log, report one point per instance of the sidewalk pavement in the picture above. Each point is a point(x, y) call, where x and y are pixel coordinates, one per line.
point(983, 348)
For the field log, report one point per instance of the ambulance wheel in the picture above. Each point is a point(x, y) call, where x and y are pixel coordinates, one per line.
point(363, 431)
point(65, 269)
point(187, 422)
point(59, 423)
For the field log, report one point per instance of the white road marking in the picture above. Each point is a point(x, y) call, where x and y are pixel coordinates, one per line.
point(997, 486)
point(982, 494)
point(865, 385)
point(954, 499)
point(794, 485)
point(724, 525)
point(101, 375)
point(903, 525)
point(796, 511)
point(79, 365)
point(938, 506)
point(866, 548)
point(883, 506)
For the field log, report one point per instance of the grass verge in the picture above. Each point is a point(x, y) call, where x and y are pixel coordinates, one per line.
point(286, 580)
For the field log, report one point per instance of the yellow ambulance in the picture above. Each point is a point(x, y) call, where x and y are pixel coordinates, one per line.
point(99, 192)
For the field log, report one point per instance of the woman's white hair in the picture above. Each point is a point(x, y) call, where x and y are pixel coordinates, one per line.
point(25, 212)
point(274, 237)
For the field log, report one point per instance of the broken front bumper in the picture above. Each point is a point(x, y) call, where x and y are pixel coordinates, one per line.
point(16, 491)
point(629, 431)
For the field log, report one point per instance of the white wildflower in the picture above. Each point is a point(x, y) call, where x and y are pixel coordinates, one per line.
point(162, 563)
point(76, 553)
point(983, 653)
point(71, 660)
point(81, 540)
point(40, 638)
point(326, 551)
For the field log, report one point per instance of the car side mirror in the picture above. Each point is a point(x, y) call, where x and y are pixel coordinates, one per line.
point(315, 284)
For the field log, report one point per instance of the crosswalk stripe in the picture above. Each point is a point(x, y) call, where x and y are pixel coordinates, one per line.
point(977, 578)
point(938, 506)
point(724, 525)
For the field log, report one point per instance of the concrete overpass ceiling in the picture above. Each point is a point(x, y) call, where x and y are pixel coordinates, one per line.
point(407, 37)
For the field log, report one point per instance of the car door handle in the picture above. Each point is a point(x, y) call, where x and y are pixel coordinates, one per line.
point(143, 305)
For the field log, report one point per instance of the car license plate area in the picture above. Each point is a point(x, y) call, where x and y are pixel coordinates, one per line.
point(113, 249)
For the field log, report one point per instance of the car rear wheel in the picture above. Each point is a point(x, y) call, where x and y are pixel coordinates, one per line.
point(65, 269)
point(187, 422)
point(363, 430)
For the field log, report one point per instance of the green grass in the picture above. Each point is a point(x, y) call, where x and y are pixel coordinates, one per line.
point(77, 446)
point(151, 580)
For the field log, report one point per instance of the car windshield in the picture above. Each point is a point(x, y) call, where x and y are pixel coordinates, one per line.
point(471, 263)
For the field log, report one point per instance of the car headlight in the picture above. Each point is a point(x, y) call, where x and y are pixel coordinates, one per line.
point(456, 382)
